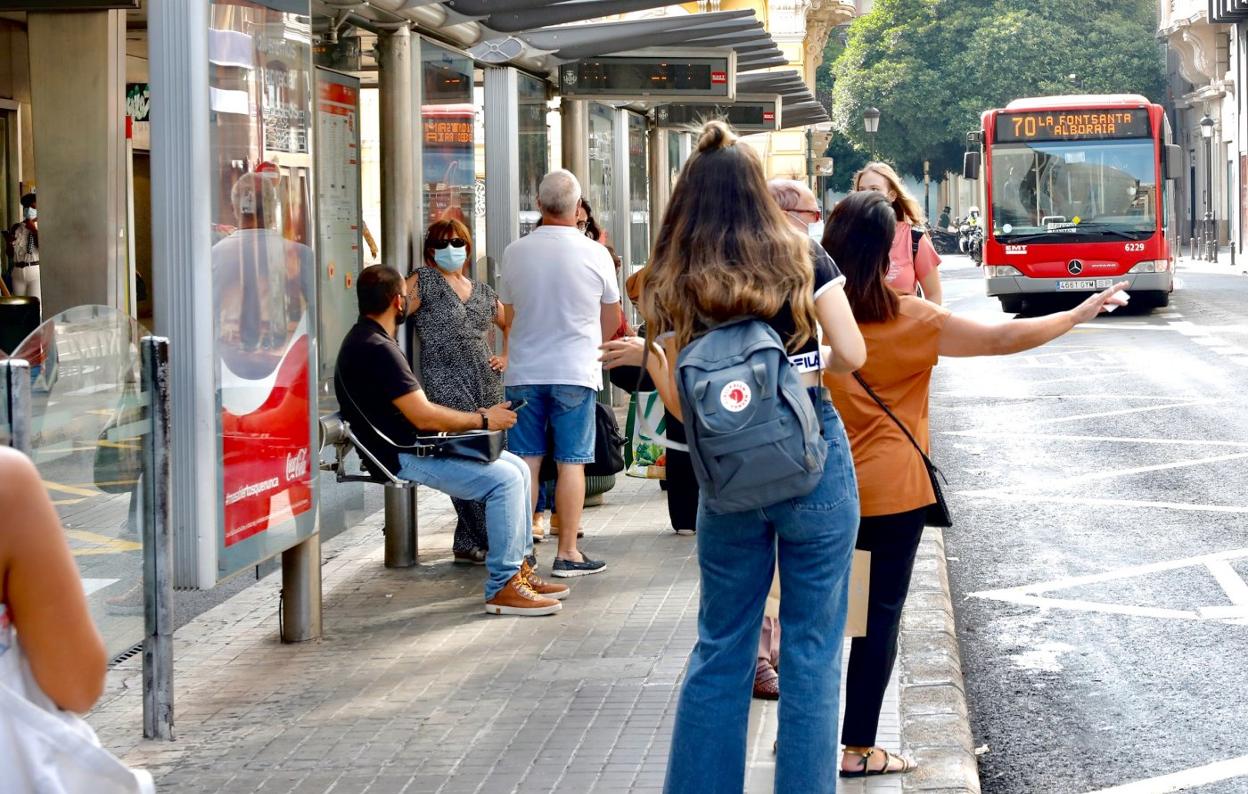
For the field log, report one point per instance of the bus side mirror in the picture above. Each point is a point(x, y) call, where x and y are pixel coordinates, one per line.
point(970, 165)
point(1173, 162)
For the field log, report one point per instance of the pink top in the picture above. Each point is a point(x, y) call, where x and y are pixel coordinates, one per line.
point(904, 271)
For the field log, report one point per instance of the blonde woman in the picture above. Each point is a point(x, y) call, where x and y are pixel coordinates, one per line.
point(725, 250)
point(913, 260)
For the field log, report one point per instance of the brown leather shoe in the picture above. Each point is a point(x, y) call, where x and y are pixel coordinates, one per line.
point(517, 598)
point(767, 685)
point(539, 527)
point(541, 586)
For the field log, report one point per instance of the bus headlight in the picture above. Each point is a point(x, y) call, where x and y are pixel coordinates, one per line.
point(1155, 266)
point(1001, 271)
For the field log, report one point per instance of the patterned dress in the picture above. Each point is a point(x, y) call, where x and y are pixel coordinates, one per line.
point(455, 368)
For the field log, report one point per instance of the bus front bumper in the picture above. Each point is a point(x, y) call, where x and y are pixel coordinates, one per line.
point(1021, 285)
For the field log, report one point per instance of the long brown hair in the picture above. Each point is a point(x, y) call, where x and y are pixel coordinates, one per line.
point(859, 235)
point(724, 249)
point(906, 206)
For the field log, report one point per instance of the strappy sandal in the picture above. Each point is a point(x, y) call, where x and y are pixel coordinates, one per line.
point(906, 764)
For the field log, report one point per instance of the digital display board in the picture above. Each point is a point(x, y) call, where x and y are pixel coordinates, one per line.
point(1073, 125)
point(752, 115)
point(634, 77)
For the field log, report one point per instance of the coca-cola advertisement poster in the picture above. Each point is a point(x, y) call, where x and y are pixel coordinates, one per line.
point(263, 278)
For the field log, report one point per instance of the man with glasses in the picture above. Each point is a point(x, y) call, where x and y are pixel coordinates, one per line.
point(561, 301)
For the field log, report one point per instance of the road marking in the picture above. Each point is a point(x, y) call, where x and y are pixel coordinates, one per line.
point(1097, 502)
point(69, 489)
point(1187, 779)
point(1216, 564)
point(90, 586)
point(1109, 474)
point(1122, 411)
point(1094, 439)
point(981, 395)
point(100, 544)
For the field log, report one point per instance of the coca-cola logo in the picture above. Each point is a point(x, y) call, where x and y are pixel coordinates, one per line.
point(297, 465)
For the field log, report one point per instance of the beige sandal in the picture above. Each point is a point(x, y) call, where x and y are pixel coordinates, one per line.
point(906, 764)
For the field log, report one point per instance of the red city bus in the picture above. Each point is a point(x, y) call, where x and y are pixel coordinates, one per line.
point(1079, 194)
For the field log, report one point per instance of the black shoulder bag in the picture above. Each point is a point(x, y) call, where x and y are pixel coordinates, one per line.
point(937, 513)
point(482, 446)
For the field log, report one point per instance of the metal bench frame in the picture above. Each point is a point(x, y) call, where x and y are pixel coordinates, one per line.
point(400, 496)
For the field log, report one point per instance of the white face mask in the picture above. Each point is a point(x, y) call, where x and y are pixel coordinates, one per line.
point(815, 230)
point(31, 213)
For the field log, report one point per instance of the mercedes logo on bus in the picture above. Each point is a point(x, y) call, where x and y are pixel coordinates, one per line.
point(1074, 267)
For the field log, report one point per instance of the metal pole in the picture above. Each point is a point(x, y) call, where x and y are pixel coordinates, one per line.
point(17, 372)
point(810, 158)
point(660, 180)
point(400, 526)
point(575, 135)
point(157, 517)
point(398, 190)
point(301, 591)
point(1211, 246)
point(502, 165)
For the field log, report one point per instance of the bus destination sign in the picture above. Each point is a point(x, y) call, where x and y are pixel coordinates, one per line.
point(1072, 125)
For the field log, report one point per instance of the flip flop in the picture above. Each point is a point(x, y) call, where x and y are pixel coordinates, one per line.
point(906, 764)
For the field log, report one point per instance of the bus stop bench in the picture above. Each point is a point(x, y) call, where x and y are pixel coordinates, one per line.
point(400, 494)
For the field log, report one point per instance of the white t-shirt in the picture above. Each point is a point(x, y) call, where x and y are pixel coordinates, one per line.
point(557, 279)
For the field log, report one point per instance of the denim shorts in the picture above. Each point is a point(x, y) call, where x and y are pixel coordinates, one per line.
point(564, 412)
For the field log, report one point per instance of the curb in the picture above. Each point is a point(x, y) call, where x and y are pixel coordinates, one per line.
point(935, 721)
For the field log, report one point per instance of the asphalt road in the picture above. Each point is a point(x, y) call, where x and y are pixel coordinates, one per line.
point(1099, 554)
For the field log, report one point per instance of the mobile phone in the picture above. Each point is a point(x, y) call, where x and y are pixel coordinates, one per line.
point(516, 405)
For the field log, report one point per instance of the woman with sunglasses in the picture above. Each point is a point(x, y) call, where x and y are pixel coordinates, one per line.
point(913, 260)
point(454, 317)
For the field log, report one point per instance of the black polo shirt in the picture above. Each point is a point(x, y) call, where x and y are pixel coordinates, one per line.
point(370, 375)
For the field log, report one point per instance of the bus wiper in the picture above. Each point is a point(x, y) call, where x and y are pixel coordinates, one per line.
point(1056, 235)
point(1014, 239)
point(1119, 233)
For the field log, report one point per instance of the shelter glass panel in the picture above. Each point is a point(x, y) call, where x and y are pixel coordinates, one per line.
point(602, 143)
point(638, 192)
point(534, 148)
point(448, 139)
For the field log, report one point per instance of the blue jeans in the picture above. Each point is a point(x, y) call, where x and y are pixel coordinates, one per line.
point(568, 411)
point(504, 486)
point(737, 554)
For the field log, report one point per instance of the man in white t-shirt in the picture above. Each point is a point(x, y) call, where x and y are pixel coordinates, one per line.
point(561, 301)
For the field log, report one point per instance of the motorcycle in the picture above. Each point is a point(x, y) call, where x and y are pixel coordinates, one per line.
point(971, 236)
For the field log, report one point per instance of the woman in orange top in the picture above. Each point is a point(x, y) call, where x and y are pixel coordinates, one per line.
point(910, 268)
point(905, 336)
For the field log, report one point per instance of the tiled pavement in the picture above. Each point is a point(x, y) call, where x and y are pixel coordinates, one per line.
point(415, 689)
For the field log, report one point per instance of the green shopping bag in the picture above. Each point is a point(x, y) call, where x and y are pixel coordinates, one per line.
point(646, 453)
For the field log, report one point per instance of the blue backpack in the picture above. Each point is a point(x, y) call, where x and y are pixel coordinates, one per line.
point(754, 436)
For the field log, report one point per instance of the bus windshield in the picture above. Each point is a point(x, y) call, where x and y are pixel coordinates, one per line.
point(1074, 191)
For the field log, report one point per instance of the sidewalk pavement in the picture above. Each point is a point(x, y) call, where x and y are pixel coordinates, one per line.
point(414, 689)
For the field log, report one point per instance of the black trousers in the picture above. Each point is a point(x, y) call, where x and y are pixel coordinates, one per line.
point(893, 541)
point(682, 486)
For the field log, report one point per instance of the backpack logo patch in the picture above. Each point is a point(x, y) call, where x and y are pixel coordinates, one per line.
point(735, 396)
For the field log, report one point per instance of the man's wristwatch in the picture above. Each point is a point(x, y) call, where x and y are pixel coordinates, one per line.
point(485, 419)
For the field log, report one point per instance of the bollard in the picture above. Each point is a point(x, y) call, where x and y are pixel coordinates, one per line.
point(156, 490)
point(400, 527)
point(301, 591)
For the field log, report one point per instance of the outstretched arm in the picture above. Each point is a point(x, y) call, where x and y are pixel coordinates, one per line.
point(965, 337)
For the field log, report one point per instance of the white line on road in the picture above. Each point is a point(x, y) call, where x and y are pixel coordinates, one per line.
point(90, 586)
point(1122, 412)
point(1187, 779)
point(1108, 474)
point(982, 395)
point(1094, 439)
point(1095, 502)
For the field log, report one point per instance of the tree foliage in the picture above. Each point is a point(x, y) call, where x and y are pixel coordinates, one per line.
point(933, 66)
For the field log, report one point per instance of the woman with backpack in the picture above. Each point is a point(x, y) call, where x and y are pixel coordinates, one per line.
point(913, 258)
point(905, 337)
point(725, 252)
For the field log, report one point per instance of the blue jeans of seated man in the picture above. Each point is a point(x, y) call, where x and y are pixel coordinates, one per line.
point(505, 488)
point(736, 555)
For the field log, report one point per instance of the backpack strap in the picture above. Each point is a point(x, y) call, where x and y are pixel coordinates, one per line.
point(916, 237)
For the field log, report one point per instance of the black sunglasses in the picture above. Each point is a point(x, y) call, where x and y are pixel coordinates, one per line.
point(454, 242)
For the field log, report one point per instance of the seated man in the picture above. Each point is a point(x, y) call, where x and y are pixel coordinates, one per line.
point(374, 380)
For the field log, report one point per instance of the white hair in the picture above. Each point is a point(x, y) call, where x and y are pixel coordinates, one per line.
point(788, 193)
point(559, 193)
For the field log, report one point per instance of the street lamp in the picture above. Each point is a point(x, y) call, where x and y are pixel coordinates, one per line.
point(1210, 235)
point(871, 122)
point(927, 190)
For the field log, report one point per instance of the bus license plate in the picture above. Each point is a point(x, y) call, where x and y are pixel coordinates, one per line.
point(1100, 283)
